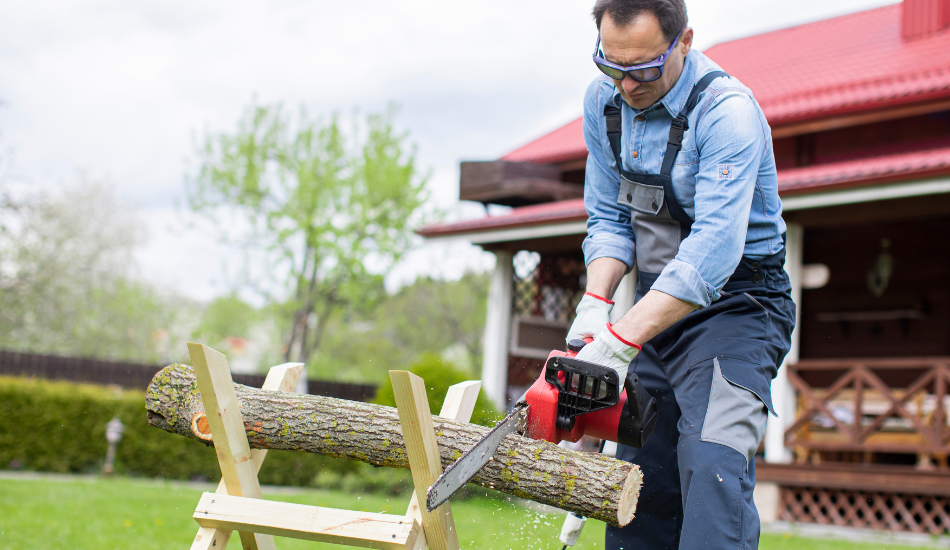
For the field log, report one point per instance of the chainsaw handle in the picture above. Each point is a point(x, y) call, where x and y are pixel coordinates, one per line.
point(639, 415)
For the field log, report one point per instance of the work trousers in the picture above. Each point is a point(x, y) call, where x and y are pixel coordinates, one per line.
point(710, 374)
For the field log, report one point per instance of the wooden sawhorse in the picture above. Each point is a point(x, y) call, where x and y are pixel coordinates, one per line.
point(237, 504)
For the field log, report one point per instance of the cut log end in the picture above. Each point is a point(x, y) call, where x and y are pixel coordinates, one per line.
point(200, 427)
point(627, 505)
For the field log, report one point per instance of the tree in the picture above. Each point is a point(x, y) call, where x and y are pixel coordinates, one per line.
point(66, 284)
point(426, 317)
point(329, 212)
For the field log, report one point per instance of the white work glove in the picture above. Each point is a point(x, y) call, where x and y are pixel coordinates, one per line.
point(593, 313)
point(609, 350)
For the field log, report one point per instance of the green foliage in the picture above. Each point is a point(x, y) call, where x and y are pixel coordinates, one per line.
point(438, 376)
point(429, 316)
point(322, 206)
point(226, 316)
point(60, 427)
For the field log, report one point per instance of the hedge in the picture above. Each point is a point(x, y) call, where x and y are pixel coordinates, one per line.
point(55, 426)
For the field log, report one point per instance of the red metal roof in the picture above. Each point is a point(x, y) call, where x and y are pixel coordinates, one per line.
point(565, 143)
point(852, 63)
point(809, 179)
point(879, 169)
point(537, 214)
point(849, 63)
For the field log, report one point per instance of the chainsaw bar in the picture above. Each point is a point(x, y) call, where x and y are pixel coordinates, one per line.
point(462, 470)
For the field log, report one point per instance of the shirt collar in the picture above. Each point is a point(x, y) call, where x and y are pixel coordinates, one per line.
point(675, 99)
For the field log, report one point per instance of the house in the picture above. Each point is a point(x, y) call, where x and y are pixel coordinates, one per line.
point(859, 107)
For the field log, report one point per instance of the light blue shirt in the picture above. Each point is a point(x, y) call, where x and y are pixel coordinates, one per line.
point(724, 177)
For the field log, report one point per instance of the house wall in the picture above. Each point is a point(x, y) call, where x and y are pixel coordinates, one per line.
point(859, 313)
point(879, 138)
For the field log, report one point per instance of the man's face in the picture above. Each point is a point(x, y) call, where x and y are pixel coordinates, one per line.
point(642, 41)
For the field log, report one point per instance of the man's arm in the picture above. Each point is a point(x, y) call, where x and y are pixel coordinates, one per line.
point(603, 276)
point(652, 315)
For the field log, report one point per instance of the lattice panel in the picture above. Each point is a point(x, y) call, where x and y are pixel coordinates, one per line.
point(547, 286)
point(866, 509)
point(525, 291)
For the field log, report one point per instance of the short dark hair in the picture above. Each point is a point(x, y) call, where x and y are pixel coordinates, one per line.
point(670, 13)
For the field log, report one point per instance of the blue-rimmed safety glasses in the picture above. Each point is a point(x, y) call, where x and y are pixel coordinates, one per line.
point(647, 72)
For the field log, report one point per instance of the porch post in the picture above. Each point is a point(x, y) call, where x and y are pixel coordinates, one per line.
point(496, 342)
point(623, 298)
point(783, 396)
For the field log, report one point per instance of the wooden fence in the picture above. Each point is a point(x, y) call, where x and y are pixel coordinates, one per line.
point(897, 405)
point(137, 376)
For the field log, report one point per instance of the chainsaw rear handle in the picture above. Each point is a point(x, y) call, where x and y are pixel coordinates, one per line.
point(574, 398)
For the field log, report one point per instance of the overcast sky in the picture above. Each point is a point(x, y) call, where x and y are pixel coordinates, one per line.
point(118, 90)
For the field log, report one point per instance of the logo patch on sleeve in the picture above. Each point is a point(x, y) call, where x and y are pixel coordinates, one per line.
point(725, 171)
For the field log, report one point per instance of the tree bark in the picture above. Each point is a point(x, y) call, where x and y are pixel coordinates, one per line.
point(590, 485)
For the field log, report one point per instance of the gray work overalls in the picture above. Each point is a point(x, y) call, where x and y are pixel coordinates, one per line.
point(710, 374)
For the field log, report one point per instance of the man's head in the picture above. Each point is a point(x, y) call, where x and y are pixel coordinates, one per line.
point(633, 32)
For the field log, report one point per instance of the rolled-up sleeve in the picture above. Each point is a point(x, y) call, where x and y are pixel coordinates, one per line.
point(609, 233)
point(731, 140)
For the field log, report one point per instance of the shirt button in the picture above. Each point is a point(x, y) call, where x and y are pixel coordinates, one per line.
point(639, 118)
point(635, 154)
point(654, 205)
point(756, 277)
point(629, 197)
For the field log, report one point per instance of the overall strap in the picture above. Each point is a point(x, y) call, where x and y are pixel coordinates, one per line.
point(613, 119)
point(680, 123)
point(677, 128)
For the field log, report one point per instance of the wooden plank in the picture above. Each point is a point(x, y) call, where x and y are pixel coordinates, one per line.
point(514, 183)
point(227, 429)
point(280, 378)
point(857, 477)
point(422, 450)
point(458, 405)
point(299, 521)
point(460, 401)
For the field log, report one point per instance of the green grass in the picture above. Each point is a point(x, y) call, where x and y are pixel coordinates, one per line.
point(102, 514)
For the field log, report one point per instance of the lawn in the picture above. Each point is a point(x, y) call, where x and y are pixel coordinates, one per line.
point(102, 514)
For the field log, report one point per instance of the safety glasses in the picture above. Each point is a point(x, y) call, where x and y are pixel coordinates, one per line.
point(647, 72)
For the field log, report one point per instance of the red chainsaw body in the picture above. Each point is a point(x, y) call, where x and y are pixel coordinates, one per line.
point(542, 413)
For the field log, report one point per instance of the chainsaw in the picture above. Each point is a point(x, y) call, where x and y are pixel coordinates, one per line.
point(570, 399)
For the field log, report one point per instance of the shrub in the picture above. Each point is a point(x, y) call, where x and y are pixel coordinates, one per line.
point(60, 427)
point(438, 376)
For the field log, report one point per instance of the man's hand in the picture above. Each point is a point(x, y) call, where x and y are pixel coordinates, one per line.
point(609, 350)
point(593, 314)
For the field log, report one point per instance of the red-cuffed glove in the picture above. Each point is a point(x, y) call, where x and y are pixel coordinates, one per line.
point(610, 350)
point(593, 313)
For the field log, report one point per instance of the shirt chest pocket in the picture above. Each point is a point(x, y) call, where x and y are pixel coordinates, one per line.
point(683, 174)
point(643, 198)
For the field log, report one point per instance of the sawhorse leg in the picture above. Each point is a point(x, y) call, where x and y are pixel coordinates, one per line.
point(422, 449)
point(239, 465)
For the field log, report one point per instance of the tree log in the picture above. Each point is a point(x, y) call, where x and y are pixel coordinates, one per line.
point(588, 484)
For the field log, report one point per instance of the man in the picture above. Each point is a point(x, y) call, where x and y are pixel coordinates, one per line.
point(681, 184)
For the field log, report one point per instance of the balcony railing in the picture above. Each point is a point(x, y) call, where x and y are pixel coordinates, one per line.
point(896, 405)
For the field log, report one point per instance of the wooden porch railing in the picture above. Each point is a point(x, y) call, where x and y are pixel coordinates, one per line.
point(896, 405)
